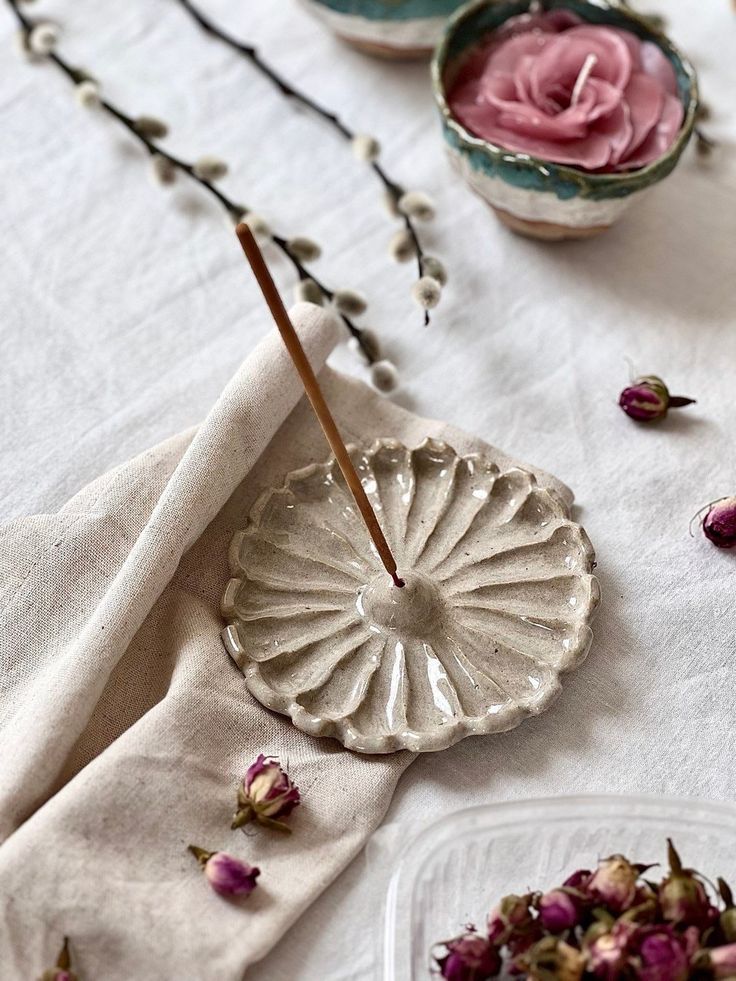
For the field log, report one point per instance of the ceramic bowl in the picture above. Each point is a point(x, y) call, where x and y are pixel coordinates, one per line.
point(536, 197)
point(387, 28)
point(497, 605)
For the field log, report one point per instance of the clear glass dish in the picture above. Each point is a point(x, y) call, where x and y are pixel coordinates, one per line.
point(454, 872)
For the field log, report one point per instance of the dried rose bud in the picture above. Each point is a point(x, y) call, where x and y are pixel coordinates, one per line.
point(682, 897)
point(614, 883)
point(512, 912)
point(662, 957)
point(719, 523)
point(62, 970)
point(558, 911)
point(720, 960)
point(469, 958)
point(649, 398)
point(227, 875)
point(553, 958)
point(266, 795)
point(578, 880)
point(608, 953)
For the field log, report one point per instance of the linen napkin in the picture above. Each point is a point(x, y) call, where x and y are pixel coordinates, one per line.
point(124, 726)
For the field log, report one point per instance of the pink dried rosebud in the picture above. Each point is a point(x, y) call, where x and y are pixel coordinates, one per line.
point(682, 897)
point(266, 795)
point(719, 523)
point(227, 875)
point(662, 957)
point(608, 953)
point(469, 958)
point(614, 883)
point(578, 880)
point(558, 911)
point(62, 970)
point(648, 398)
point(512, 912)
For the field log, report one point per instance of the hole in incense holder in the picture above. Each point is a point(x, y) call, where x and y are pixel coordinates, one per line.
point(417, 610)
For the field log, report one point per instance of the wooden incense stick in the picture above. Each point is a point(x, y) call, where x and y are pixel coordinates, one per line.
point(315, 396)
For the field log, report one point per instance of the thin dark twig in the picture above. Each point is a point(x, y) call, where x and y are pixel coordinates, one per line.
point(251, 54)
point(234, 210)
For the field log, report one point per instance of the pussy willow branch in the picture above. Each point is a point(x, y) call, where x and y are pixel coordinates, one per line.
point(251, 54)
point(234, 210)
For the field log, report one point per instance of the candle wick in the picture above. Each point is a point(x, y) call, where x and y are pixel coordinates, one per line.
point(400, 583)
point(588, 65)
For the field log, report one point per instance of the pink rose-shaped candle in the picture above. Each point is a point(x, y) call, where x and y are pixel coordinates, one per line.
point(587, 95)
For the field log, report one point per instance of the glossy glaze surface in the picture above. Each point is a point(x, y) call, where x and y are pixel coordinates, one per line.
point(497, 604)
point(404, 28)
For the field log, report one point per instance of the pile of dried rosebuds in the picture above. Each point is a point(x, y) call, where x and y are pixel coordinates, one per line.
point(615, 922)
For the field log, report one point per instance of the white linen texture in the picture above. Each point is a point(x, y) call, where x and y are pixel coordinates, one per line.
point(125, 309)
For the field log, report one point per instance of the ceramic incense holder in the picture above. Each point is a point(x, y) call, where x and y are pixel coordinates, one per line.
point(387, 28)
point(534, 196)
point(497, 604)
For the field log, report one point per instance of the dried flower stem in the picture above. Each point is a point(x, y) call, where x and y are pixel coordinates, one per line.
point(251, 54)
point(234, 210)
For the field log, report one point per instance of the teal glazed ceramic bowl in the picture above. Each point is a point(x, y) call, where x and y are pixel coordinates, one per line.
point(388, 28)
point(536, 197)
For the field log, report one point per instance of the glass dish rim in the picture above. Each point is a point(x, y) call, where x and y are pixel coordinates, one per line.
point(717, 815)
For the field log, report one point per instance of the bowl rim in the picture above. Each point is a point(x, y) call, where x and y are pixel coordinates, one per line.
point(618, 183)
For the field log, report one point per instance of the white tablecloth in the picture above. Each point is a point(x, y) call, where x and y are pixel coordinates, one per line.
point(126, 308)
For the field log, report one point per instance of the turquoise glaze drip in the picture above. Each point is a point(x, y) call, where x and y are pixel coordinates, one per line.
point(397, 10)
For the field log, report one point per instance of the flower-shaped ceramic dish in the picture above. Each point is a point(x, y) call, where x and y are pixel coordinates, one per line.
point(536, 197)
point(497, 603)
point(387, 28)
point(455, 870)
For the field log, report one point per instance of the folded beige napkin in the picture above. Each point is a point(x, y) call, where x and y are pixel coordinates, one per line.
point(125, 726)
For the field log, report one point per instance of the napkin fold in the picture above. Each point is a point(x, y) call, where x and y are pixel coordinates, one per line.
point(124, 725)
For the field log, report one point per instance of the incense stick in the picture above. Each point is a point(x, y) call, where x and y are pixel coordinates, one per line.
point(315, 396)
